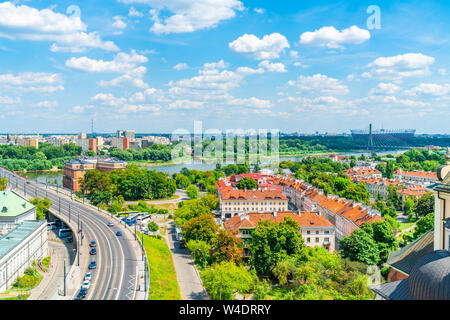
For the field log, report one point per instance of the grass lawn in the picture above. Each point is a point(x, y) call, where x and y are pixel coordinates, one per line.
point(163, 278)
point(405, 225)
point(167, 206)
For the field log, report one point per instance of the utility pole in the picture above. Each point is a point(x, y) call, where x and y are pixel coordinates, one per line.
point(142, 234)
point(69, 212)
point(78, 249)
point(81, 232)
point(64, 277)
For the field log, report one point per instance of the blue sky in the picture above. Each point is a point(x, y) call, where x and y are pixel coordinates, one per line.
point(156, 66)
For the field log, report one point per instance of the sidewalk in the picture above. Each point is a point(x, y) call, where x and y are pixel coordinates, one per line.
point(53, 278)
point(191, 286)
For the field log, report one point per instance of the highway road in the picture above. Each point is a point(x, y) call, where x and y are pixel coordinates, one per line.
point(115, 277)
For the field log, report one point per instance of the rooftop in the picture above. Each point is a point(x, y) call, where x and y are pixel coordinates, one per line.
point(12, 205)
point(17, 235)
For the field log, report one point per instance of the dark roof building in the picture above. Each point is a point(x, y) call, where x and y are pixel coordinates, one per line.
point(429, 280)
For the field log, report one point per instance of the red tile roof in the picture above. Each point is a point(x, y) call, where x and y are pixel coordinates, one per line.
point(251, 220)
point(416, 173)
point(253, 194)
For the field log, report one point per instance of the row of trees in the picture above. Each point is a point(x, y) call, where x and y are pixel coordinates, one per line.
point(131, 183)
point(155, 152)
point(46, 157)
point(414, 159)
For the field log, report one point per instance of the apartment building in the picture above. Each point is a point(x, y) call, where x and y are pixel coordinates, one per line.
point(26, 243)
point(412, 192)
point(315, 229)
point(344, 214)
point(377, 186)
point(369, 172)
point(121, 143)
point(75, 169)
point(423, 177)
point(234, 202)
point(14, 210)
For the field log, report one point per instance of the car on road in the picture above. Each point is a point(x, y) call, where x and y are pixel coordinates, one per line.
point(93, 244)
point(110, 224)
point(92, 265)
point(86, 285)
point(118, 233)
point(88, 276)
point(93, 251)
point(81, 294)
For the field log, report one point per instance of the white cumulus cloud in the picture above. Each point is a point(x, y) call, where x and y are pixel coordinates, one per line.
point(268, 47)
point(332, 38)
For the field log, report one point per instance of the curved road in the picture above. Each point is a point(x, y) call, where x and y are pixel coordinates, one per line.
point(115, 277)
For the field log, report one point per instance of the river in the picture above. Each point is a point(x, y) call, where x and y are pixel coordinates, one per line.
point(51, 177)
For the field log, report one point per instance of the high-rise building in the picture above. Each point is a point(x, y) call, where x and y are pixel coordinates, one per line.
point(130, 134)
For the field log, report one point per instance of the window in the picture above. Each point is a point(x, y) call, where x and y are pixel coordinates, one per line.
point(327, 240)
point(317, 232)
point(308, 239)
point(327, 232)
point(308, 232)
point(317, 239)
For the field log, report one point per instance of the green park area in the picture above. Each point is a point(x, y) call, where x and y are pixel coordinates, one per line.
point(163, 278)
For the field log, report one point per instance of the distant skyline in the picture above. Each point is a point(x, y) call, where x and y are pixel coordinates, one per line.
point(156, 66)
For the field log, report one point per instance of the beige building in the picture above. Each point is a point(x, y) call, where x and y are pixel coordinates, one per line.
point(315, 229)
point(234, 202)
point(442, 207)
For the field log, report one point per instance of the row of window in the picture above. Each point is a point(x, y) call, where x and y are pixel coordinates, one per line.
point(253, 209)
point(308, 240)
point(318, 232)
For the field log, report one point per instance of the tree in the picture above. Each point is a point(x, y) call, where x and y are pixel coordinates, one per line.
point(272, 242)
point(42, 206)
point(360, 246)
point(192, 192)
point(182, 181)
point(357, 192)
point(247, 183)
point(408, 206)
point(381, 233)
point(201, 228)
point(152, 226)
point(3, 183)
point(389, 172)
point(226, 247)
point(423, 225)
point(200, 251)
point(223, 279)
point(424, 205)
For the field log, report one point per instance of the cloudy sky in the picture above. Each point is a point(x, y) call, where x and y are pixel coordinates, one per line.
point(160, 65)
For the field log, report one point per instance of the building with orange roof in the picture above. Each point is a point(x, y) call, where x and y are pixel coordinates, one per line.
point(315, 229)
point(364, 172)
point(423, 177)
point(412, 192)
point(233, 202)
point(377, 186)
point(344, 214)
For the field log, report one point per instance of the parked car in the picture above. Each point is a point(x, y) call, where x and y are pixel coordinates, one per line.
point(118, 233)
point(86, 285)
point(93, 251)
point(88, 276)
point(81, 294)
point(93, 244)
point(92, 265)
point(110, 224)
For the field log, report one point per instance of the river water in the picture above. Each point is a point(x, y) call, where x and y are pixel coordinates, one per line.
point(56, 177)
